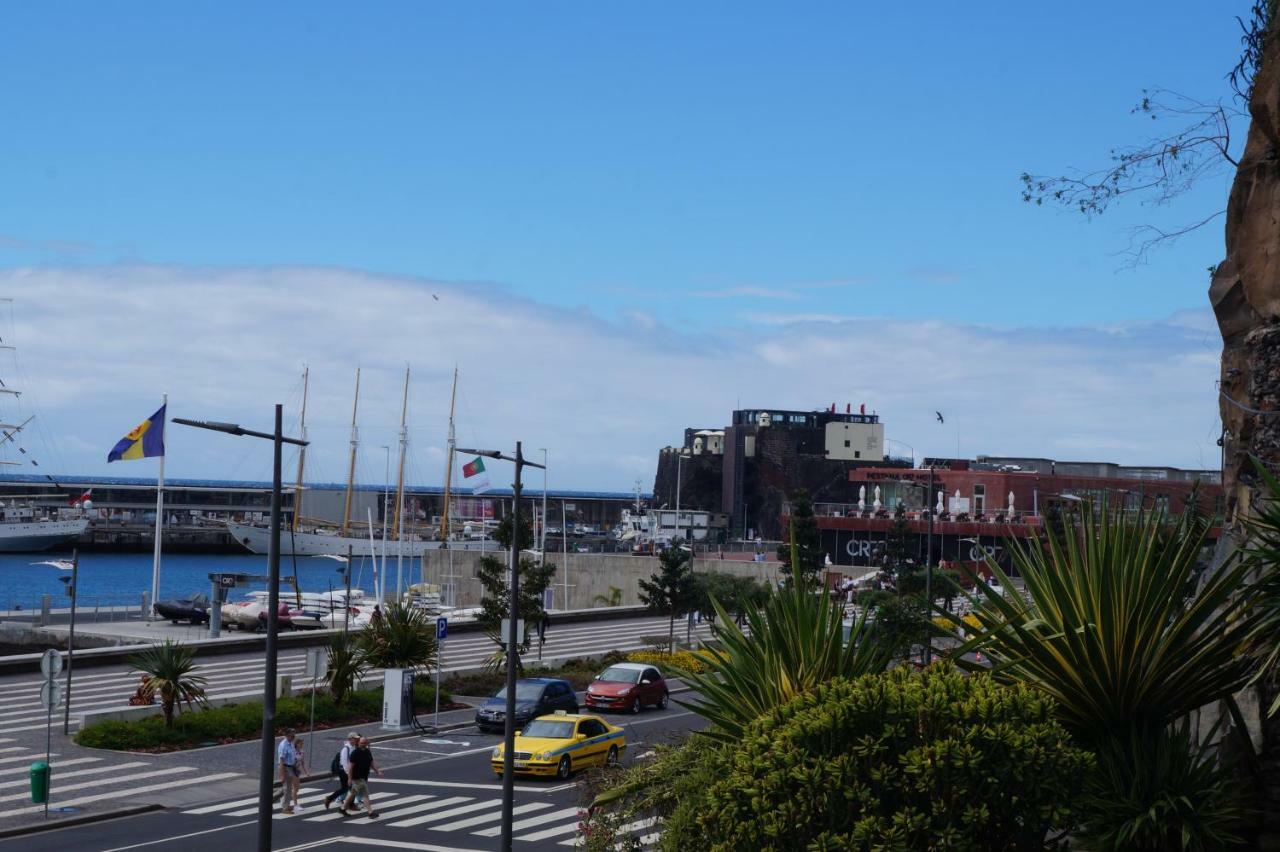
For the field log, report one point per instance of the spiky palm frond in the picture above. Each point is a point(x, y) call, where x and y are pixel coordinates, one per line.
point(1113, 626)
point(346, 665)
point(404, 638)
point(792, 645)
point(168, 667)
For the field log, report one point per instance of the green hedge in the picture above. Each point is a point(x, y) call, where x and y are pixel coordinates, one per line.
point(901, 760)
point(233, 722)
point(579, 671)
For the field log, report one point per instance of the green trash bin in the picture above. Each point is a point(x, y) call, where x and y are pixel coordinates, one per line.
point(39, 782)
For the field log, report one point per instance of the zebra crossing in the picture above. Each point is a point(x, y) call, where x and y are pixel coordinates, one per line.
point(77, 782)
point(447, 813)
point(241, 677)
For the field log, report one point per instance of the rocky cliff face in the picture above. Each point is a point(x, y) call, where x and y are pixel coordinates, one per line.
point(1245, 293)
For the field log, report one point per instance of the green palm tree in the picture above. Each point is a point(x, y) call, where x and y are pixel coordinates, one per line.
point(1113, 626)
point(346, 665)
point(403, 638)
point(169, 668)
point(1125, 630)
point(793, 644)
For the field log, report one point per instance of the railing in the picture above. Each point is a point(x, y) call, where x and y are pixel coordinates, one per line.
point(89, 608)
point(852, 510)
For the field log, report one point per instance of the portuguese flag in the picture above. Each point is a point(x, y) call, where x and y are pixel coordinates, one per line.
point(476, 476)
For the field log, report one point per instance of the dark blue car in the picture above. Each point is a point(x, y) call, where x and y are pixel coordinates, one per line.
point(535, 696)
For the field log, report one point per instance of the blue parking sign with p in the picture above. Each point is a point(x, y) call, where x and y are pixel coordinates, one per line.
point(442, 628)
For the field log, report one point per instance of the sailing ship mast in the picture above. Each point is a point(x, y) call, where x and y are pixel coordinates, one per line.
point(351, 470)
point(448, 470)
point(302, 450)
point(404, 441)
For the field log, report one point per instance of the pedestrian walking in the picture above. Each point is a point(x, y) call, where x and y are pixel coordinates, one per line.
point(341, 768)
point(361, 763)
point(290, 777)
point(300, 767)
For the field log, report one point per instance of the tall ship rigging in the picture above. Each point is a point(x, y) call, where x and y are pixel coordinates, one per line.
point(31, 524)
point(355, 533)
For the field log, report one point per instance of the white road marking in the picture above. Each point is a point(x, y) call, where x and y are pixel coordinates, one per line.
point(458, 811)
point(541, 819)
point(471, 822)
point(380, 804)
point(130, 792)
point(140, 776)
point(180, 836)
point(58, 776)
point(457, 785)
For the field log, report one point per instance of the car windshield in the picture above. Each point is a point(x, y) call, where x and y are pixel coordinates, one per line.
point(524, 692)
point(549, 729)
point(619, 674)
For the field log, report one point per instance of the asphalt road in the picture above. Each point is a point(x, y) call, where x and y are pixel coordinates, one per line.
point(436, 794)
point(89, 782)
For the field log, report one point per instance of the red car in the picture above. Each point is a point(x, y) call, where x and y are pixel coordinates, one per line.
point(627, 686)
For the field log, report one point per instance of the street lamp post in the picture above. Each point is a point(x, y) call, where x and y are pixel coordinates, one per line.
point(267, 766)
point(513, 599)
point(679, 462)
point(928, 581)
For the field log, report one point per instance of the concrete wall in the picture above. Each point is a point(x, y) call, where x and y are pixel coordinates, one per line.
point(590, 576)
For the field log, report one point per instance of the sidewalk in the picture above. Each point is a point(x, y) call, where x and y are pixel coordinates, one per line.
point(172, 780)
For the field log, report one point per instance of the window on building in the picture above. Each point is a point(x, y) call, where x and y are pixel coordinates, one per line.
point(979, 499)
point(857, 454)
point(846, 442)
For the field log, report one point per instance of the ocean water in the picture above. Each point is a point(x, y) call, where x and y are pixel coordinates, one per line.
point(109, 579)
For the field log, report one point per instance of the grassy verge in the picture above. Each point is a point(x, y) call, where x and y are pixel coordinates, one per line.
point(235, 722)
point(579, 671)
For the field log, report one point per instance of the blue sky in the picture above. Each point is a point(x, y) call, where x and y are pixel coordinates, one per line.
point(699, 172)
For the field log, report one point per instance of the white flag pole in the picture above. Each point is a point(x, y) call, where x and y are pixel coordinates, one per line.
point(155, 558)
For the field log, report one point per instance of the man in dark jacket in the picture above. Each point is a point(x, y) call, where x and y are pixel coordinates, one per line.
point(361, 763)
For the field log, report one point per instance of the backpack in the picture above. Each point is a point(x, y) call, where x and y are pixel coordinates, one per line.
point(335, 768)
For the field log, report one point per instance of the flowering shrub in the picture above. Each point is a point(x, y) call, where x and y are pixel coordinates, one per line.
point(600, 830)
point(689, 661)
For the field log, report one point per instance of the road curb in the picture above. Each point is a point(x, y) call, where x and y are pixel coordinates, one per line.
point(91, 657)
point(71, 822)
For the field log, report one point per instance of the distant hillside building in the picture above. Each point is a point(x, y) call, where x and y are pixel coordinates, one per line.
point(745, 474)
point(747, 470)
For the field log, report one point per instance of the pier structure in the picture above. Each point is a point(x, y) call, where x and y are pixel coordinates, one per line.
point(122, 513)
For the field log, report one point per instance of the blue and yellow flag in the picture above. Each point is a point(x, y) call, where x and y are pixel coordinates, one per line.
point(146, 440)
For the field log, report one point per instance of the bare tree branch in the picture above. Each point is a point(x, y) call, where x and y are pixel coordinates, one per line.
point(1144, 238)
point(1158, 171)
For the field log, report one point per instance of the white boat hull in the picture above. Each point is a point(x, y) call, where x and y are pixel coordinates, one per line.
point(257, 540)
point(38, 536)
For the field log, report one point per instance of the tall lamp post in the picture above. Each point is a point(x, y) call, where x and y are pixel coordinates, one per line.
point(509, 720)
point(267, 768)
point(928, 581)
point(679, 463)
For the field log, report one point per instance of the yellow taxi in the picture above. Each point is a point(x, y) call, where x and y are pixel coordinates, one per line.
point(562, 742)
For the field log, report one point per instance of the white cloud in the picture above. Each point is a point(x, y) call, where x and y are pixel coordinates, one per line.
point(98, 346)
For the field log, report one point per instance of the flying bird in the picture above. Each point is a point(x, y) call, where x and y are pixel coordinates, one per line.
point(939, 413)
point(434, 296)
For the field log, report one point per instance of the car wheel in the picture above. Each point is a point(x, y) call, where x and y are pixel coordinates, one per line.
point(564, 769)
point(635, 705)
point(612, 759)
point(662, 703)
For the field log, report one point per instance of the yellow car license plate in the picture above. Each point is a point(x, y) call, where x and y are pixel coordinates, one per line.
point(520, 764)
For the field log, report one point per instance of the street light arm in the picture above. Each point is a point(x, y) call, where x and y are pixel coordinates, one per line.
point(494, 454)
point(236, 429)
